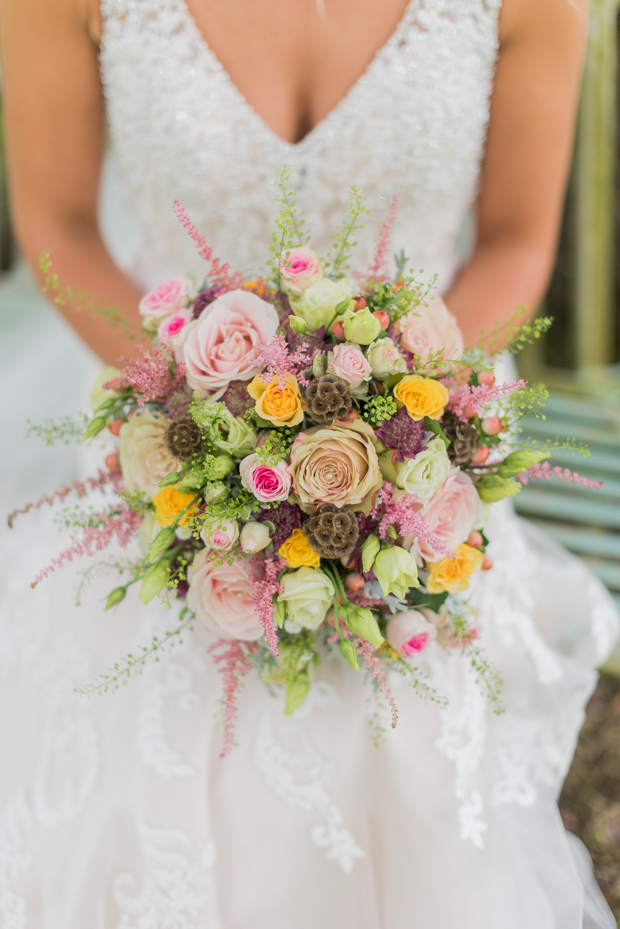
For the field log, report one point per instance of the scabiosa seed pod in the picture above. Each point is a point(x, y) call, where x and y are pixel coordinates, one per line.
point(328, 398)
point(183, 438)
point(463, 439)
point(332, 532)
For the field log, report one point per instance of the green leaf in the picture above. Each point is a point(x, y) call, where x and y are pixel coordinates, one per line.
point(419, 597)
point(433, 426)
point(296, 693)
point(95, 426)
point(394, 379)
point(115, 597)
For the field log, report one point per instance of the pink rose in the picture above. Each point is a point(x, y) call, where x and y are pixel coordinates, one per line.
point(303, 268)
point(171, 326)
point(167, 298)
point(410, 632)
point(225, 342)
point(223, 537)
point(219, 594)
point(452, 513)
point(268, 484)
point(427, 329)
point(348, 362)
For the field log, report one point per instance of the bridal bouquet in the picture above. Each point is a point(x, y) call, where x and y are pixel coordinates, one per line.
point(307, 461)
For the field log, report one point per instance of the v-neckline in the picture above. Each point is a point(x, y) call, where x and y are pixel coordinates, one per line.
point(322, 125)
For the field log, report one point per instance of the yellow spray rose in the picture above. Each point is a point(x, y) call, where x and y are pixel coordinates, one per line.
point(280, 407)
point(452, 574)
point(421, 396)
point(169, 502)
point(298, 552)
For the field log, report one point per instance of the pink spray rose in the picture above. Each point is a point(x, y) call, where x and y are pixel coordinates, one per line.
point(302, 268)
point(172, 326)
point(410, 632)
point(166, 299)
point(427, 329)
point(268, 484)
point(452, 513)
point(225, 342)
point(223, 537)
point(219, 594)
point(348, 362)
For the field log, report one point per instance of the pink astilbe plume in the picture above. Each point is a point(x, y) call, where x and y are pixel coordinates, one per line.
point(544, 472)
point(477, 399)
point(263, 590)
point(80, 488)
point(379, 270)
point(150, 375)
point(233, 661)
point(406, 518)
point(219, 275)
point(120, 523)
point(373, 665)
point(280, 360)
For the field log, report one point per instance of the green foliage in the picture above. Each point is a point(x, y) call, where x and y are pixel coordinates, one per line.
point(340, 252)
point(67, 429)
point(486, 674)
point(512, 334)
point(378, 409)
point(207, 414)
point(275, 448)
point(288, 228)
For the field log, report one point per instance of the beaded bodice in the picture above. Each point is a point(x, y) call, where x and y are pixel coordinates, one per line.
point(413, 124)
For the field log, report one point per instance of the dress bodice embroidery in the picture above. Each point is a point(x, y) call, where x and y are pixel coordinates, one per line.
point(413, 124)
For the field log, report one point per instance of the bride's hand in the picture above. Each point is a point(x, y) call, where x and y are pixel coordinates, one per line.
point(55, 133)
point(527, 159)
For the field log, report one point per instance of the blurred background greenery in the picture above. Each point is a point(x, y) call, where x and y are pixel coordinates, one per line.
point(579, 361)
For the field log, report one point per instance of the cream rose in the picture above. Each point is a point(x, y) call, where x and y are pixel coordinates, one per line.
point(385, 359)
point(428, 329)
point(422, 475)
point(219, 594)
point(318, 303)
point(144, 458)
point(452, 513)
point(336, 465)
point(307, 595)
point(224, 344)
point(348, 362)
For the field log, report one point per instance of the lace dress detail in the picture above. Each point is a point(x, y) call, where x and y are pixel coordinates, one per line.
point(185, 132)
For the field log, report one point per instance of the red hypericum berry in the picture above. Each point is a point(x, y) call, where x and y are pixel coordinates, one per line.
point(354, 582)
point(380, 388)
point(115, 384)
point(383, 317)
point(360, 303)
point(480, 455)
point(338, 330)
point(112, 462)
point(475, 540)
point(487, 563)
point(491, 425)
point(115, 426)
point(469, 412)
point(487, 378)
point(351, 416)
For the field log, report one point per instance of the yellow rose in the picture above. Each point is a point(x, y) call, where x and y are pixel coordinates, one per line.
point(452, 574)
point(298, 551)
point(422, 396)
point(280, 407)
point(169, 503)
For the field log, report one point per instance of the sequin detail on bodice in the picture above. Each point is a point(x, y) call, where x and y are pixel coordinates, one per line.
point(413, 124)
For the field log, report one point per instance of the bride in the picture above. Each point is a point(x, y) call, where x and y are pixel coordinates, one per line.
point(118, 812)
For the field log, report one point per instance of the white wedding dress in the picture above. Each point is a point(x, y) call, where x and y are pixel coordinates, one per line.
point(117, 813)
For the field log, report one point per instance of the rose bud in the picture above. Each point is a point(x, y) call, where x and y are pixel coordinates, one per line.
point(480, 455)
point(475, 540)
point(491, 425)
point(383, 317)
point(254, 537)
point(487, 563)
point(115, 426)
point(338, 330)
point(354, 582)
point(487, 378)
point(112, 462)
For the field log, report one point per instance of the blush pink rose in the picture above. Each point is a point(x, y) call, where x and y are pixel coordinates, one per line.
point(452, 513)
point(410, 632)
point(223, 537)
point(166, 299)
point(219, 594)
point(172, 326)
point(268, 484)
point(302, 268)
point(224, 344)
point(427, 329)
point(348, 362)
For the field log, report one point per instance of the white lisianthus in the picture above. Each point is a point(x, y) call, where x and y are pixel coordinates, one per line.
point(385, 359)
point(307, 596)
point(232, 434)
point(145, 460)
point(425, 473)
point(318, 303)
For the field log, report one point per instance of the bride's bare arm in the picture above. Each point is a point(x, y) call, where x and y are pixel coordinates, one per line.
point(527, 160)
point(54, 117)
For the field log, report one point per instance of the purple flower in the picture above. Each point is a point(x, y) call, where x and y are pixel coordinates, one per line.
point(285, 518)
point(204, 298)
point(402, 434)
